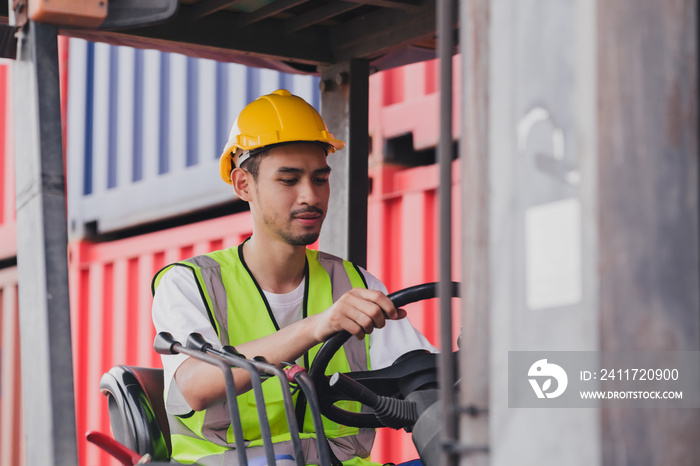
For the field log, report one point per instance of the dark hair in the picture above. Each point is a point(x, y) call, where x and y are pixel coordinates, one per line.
point(252, 164)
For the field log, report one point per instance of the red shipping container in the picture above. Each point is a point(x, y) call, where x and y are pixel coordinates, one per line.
point(111, 307)
point(403, 251)
point(8, 225)
point(405, 101)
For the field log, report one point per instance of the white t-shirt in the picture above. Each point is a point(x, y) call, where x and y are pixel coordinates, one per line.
point(179, 310)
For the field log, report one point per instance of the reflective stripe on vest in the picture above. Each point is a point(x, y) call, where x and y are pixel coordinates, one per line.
point(240, 313)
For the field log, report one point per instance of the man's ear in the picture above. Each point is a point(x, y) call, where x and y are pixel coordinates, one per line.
point(240, 182)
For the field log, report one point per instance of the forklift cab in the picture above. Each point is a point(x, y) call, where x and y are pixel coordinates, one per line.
point(581, 68)
point(341, 42)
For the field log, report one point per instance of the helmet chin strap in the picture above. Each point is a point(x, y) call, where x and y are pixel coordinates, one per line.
point(243, 155)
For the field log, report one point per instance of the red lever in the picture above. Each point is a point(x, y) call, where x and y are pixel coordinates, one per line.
point(292, 370)
point(123, 454)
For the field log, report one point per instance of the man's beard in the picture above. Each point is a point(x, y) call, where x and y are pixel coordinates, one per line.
point(300, 239)
point(303, 239)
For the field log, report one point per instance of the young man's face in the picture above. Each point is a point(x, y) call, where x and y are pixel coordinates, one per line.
point(291, 193)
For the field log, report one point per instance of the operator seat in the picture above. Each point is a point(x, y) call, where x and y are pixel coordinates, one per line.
point(137, 410)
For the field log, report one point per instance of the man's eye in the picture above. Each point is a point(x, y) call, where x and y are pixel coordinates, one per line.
point(321, 180)
point(288, 180)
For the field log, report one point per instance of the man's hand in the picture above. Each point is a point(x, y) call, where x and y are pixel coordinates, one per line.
point(359, 312)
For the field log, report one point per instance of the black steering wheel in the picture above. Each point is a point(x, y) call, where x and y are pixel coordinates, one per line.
point(420, 362)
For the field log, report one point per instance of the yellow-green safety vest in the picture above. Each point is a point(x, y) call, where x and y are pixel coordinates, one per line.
point(239, 312)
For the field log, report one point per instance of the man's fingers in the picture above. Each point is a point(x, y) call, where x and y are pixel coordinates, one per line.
point(360, 311)
point(371, 314)
point(381, 300)
point(401, 313)
point(356, 330)
point(364, 321)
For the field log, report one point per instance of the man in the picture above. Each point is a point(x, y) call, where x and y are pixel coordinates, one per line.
point(271, 296)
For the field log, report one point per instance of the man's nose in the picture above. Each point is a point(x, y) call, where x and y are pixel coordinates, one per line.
point(309, 193)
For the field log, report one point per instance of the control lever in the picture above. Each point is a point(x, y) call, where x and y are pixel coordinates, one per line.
point(354, 389)
point(123, 454)
point(391, 412)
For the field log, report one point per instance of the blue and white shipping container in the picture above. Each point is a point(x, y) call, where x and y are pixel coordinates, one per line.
point(146, 128)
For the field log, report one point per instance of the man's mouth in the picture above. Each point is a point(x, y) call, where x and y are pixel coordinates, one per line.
point(309, 217)
point(308, 214)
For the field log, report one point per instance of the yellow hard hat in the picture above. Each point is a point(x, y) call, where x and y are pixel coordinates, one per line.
point(271, 119)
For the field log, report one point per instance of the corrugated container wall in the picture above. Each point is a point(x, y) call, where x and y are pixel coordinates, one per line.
point(8, 226)
point(111, 307)
point(146, 128)
point(402, 251)
point(404, 103)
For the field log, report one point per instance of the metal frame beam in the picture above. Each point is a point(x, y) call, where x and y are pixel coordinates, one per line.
point(396, 4)
point(209, 7)
point(256, 36)
point(345, 107)
point(319, 15)
point(447, 378)
point(382, 31)
point(648, 211)
point(47, 368)
point(269, 10)
point(223, 37)
point(475, 354)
